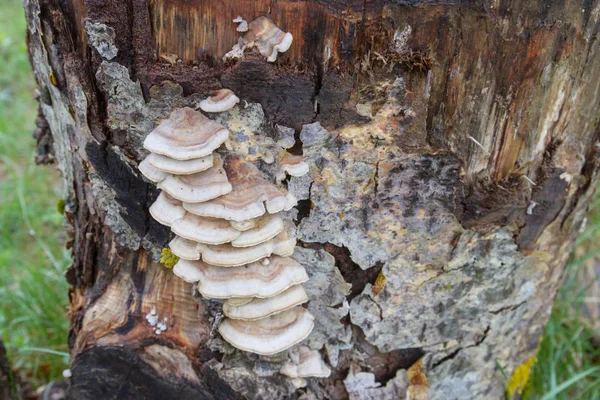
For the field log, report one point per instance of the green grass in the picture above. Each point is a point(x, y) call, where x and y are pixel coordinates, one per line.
point(33, 291)
point(568, 365)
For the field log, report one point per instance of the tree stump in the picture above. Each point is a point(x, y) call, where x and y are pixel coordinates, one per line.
point(453, 151)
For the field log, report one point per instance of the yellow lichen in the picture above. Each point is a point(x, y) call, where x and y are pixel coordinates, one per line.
point(518, 380)
point(167, 258)
point(418, 384)
point(53, 78)
point(379, 283)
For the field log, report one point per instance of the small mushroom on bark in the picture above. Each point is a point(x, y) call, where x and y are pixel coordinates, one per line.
point(267, 37)
point(270, 335)
point(261, 308)
point(293, 165)
point(252, 280)
point(309, 364)
point(219, 101)
point(186, 134)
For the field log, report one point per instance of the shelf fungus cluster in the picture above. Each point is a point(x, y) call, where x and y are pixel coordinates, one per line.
point(231, 236)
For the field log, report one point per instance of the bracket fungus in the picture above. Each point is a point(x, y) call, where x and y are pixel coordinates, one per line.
point(180, 167)
point(270, 335)
point(267, 38)
point(205, 230)
point(185, 135)
point(308, 363)
point(229, 233)
point(219, 101)
point(260, 308)
point(248, 281)
point(251, 196)
point(198, 187)
point(166, 209)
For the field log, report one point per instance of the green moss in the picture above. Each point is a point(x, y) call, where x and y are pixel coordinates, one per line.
point(60, 206)
point(167, 258)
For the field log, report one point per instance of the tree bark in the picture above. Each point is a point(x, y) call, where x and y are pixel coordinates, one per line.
point(453, 151)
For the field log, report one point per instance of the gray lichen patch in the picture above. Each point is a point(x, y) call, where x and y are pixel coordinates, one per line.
point(362, 386)
point(327, 292)
point(102, 38)
point(104, 198)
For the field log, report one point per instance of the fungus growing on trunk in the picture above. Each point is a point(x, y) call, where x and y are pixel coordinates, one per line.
point(198, 187)
point(229, 236)
point(250, 197)
point(166, 209)
point(186, 134)
point(204, 230)
point(267, 38)
point(307, 363)
point(260, 308)
point(180, 167)
point(252, 280)
point(219, 101)
point(269, 335)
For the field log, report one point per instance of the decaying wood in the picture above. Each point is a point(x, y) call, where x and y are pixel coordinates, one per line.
point(452, 148)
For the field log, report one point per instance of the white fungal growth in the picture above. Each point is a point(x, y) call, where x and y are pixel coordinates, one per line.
point(230, 234)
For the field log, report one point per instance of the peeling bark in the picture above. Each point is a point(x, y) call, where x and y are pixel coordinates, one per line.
point(453, 150)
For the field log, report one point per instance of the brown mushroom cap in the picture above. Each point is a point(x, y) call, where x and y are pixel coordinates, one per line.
point(225, 255)
point(260, 308)
point(252, 280)
point(205, 230)
point(269, 335)
point(219, 100)
point(251, 196)
point(180, 167)
point(186, 134)
point(166, 209)
point(201, 186)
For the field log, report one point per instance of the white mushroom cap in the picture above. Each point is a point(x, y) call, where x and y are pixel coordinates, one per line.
point(243, 225)
point(205, 230)
point(252, 280)
point(151, 172)
point(268, 335)
point(310, 364)
point(201, 186)
point(219, 100)
point(250, 196)
point(180, 167)
point(184, 249)
point(186, 134)
point(187, 270)
point(267, 227)
point(294, 165)
point(166, 209)
point(260, 308)
point(225, 255)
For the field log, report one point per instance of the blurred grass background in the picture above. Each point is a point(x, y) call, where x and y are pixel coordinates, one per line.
point(33, 292)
